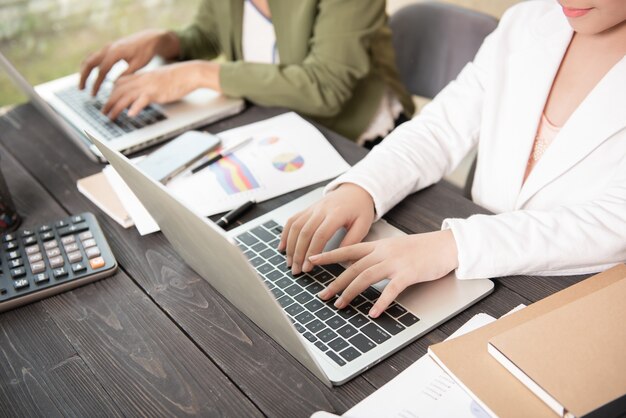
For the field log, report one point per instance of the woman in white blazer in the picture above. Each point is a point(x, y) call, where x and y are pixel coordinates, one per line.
point(550, 71)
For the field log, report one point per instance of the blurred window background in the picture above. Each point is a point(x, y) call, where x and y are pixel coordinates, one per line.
point(47, 39)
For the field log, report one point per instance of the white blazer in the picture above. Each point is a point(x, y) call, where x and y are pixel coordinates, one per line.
point(569, 216)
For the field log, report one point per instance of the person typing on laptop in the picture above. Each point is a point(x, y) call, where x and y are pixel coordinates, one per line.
point(545, 100)
point(327, 59)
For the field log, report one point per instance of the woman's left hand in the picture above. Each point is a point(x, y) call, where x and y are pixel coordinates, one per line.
point(404, 260)
point(162, 85)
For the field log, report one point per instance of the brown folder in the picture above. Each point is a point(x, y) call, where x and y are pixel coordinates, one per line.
point(466, 358)
point(574, 357)
point(98, 189)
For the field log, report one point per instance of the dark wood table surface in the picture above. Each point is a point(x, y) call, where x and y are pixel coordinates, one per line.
point(156, 339)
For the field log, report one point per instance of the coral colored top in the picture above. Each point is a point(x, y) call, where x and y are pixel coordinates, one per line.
point(546, 132)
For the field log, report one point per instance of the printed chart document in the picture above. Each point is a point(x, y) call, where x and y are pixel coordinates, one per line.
point(423, 390)
point(286, 153)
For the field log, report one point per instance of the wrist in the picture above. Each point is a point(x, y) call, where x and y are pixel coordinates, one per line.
point(363, 195)
point(167, 45)
point(206, 74)
point(449, 250)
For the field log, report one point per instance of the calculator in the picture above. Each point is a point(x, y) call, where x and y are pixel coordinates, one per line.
point(39, 262)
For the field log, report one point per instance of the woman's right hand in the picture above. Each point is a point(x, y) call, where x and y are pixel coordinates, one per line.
point(308, 232)
point(137, 50)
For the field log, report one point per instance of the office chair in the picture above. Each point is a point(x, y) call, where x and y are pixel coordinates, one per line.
point(433, 41)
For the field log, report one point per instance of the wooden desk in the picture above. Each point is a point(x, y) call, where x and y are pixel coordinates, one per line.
point(156, 339)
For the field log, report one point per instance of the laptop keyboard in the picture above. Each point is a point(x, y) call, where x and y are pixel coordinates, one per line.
point(343, 335)
point(89, 108)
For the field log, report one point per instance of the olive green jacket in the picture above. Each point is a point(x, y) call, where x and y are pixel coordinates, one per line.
point(336, 57)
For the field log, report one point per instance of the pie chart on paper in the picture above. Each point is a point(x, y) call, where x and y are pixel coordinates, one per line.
point(288, 162)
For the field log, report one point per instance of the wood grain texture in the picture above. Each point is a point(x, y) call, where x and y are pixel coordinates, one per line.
point(159, 340)
point(118, 353)
point(268, 375)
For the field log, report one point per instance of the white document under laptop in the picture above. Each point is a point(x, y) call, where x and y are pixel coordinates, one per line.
point(75, 111)
point(245, 268)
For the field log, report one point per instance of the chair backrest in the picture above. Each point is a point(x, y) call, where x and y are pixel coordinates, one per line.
point(433, 42)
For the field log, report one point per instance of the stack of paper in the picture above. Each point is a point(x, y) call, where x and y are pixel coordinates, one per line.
point(286, 153)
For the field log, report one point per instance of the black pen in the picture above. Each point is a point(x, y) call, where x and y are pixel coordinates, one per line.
point(234, 214)
point(223, 153)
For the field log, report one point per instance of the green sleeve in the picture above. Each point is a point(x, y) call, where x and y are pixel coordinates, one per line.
point(200, 39)
point(338, 57)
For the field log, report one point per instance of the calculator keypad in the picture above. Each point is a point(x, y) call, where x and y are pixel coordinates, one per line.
point(38, 262)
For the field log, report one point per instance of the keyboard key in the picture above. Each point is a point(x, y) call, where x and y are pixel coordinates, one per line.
point(69, 248)
point(33, 249)
point(60, 224)
point(270, 224)
point(303, 297)
point(33, 258)
point(371, 293)
point(349, 354)
point(56, 261)
point(27, 233)
point(283, 283)
point(338, 344)
point(274, 244)
point(347, 312)
point(77, 218)
point(259, 247)
point(357, 300)
point(375, 333)
point(309, 337)
point(9, 237)
point(277, 292)
point(335, 322)
point(336, 358)
point(285, 301)
point(358, 320)
point(12, 255)
point(320, 345)
point(97, 263)
point(53, 252)
point(41, 278)
point(334, 269)
point(274, 275)
point(78, 267)
point(38, 267)
point(347, 331)
point(293, 290)
point(388, 324)
point(361, 342)
point(247, 239)
point(45, 228)
point(30, 240)
point(260, 232)
point(304, 318)
point(314, 288)
point(324, 277)
point(9, 246)
point(267, 254)
point(256, 261)
point(314, 305)
point(408, 319)
point(299, 328)
point(294, 309)
point(18, 272)
point(68, 240)
point(304, 280)
point(92, 252)
point(264, 269)
point(18, 262)
point(365, 307)
point(326, 335)
point(74, 257)
point(283, 267)
point(395, 310)
point(47, 236)
point(276, 260)
point(324, 313)
point(315, 326)
point(50, 244)
point(85, 235)
point(59, 273)
point(89, 243)
point(20, 284)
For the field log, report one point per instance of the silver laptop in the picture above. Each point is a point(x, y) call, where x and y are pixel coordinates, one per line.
point(75, 111)
point(245, 268)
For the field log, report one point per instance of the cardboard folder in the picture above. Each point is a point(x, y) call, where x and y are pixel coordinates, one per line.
point(574, 357)
point(501, 394)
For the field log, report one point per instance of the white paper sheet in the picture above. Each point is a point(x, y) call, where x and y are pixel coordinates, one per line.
point(285, 154)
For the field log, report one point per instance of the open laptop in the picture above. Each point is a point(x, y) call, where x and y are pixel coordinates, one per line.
point(245, 268)
point(75, 111)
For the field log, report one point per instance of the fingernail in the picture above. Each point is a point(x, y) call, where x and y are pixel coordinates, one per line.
point(374, 312)
point(339, 303)
point(306, 267)
point(323, 294)
point(295, 269)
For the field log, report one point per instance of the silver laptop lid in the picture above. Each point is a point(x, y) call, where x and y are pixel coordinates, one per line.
point(45, 108)
point(207, 250)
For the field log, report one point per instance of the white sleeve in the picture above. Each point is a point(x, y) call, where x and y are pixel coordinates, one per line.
point(576, 239)
point(421, 151)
